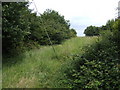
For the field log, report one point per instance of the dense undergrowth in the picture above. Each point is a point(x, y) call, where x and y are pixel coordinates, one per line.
point(39, 68)
point(81, 62)
point(99, 65)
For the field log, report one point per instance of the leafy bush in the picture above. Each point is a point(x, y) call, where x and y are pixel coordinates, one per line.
point(99, 66)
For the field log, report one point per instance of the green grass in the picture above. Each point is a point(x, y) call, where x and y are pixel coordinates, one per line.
point(39, 68)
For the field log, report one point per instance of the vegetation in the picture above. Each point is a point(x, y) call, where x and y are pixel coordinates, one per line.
point(23, 29)
point(99, 65)
point(39, 68)
point(56, 26)
point(15, 26)
point(79, 62)
point(92, 31)
point(95, 31)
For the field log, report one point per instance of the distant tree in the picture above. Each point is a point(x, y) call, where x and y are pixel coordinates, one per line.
point(91, 31)
point(73, 33)
point(94, 31)
point(108, 26)
point(56, 26)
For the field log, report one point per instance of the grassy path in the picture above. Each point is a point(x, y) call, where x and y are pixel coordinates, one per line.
point(40, 68)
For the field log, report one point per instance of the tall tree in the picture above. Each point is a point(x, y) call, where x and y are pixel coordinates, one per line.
point(16, 25)
point(56, 26)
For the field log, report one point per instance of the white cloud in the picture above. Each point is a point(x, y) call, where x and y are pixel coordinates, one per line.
point(81, 12)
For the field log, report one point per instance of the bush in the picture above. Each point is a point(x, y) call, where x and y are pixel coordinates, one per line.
point(98, 67)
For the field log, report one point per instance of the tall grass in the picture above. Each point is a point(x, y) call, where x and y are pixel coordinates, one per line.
point(39, 68)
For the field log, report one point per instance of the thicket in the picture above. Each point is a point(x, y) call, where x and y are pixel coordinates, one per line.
point(23, 30)
point(99, 65)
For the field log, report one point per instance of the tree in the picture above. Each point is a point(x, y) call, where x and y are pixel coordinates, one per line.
point(109, 24)
point(16, 25)
point(22, 29)
point(53, 24)
point(94, 31)
point(91, 31)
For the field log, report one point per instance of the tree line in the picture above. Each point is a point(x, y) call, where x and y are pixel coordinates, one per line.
point(22, 29)
point(95, 31)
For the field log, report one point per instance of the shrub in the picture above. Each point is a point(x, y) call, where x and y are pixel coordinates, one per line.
point(98, 67)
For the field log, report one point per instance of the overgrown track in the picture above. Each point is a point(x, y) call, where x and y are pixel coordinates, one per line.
point(39, 68)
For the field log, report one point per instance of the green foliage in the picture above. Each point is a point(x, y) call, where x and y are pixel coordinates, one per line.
point(95, 31)
point(91, 31)
point(22, 29)
point(108, 26)
point(73, 33)
point(116, 35)
point(15, 24)
point(99, 66)
point(39, 68)
point(56, 26)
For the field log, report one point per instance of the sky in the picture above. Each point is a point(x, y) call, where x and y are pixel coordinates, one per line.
point(81, 13)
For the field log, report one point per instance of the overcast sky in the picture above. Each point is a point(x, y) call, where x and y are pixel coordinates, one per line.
point(81, 13)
